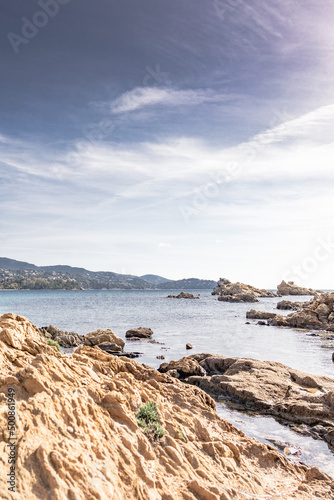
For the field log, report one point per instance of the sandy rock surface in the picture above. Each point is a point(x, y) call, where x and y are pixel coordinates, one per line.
point(78, 438)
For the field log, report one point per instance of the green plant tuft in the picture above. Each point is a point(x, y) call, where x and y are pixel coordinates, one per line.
point(181, 435)
point(54, 344)
point(148, 418)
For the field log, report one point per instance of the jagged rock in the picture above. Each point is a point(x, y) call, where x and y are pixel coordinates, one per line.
point(239, 292)
point(79, 437)
point(182, 368)
point(182, 295)
point(253, 314)
point(103, 335)
point(289, 288)
point(64, 339)
point(318, 314)
point(141, 333)
point(286, 305)
point(265, 386)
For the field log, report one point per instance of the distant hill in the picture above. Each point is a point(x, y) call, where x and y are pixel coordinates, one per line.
point(188, 284)
point(154, 279)
point(15, 265)
point(22, 275)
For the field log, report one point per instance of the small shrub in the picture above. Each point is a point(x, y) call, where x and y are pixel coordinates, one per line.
point(181, 435)
point(148, 418)
point(54, 344)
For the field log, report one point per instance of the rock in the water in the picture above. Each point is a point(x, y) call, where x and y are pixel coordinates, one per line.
point(64, 339)
point(287, 305)
point(265, 386)
point(318, 314)
point(80, 438)
point(289, 288)
point(102, 336)
point(239, 292)
point(182, 295)
point(141, 333)
point(189, 346)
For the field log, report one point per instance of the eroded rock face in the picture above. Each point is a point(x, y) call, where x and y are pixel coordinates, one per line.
point(64, 339)
point(104, 336)
point(318, 314)
point(289, 288)
point(182, 295)
point(287, 305)
point(265, 386)
point(239, 292)
point(139, 333)
point(79, 437)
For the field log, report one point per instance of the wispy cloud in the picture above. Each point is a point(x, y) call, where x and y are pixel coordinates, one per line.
point(141, 97)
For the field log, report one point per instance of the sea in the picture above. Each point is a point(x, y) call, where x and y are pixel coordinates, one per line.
point(209, 325)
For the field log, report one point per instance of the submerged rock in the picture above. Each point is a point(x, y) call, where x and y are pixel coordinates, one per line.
point(289, 288)
point(239, 292)
point(64, 339)
point(265, 386)
point(80, 437)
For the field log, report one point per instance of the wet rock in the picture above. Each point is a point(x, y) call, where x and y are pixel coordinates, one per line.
point(141, 333)
point(102, 336)
point(253, 314)
point(261, 323)
point(182, 295)
point(189, 346)
point(287, 305)
point(289, 288)
point(161, 357)
point(264, 386)
point(64, 339)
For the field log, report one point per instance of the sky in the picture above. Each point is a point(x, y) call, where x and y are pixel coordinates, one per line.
point(188, 138)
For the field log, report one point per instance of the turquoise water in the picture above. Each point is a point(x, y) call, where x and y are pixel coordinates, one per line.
point(211, 326)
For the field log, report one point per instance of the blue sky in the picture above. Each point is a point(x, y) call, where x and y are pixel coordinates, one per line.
point(182, 138)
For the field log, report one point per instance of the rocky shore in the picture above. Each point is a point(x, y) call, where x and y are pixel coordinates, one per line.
point(304, 401)
point(239, 292)
point(317, 314)
point(79, 436)
point(289, 288)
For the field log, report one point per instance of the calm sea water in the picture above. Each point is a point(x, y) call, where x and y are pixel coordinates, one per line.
point(211, 326)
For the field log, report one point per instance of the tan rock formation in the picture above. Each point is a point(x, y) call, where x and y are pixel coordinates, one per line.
point(289, 288)
point(78, 438)
point(103, 336)
point(239, 292)
point(318, 314)
point(64, 339)
point(265, 386)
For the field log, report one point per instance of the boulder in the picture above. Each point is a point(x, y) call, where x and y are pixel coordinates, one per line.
point(103, 336)
point(287, 305)
point(182, 295)
point(239, 292)
point(189, 346)
point(140, 333)
point(289, 288)
point(253, 314)
point(64, 339)
point(182, 368)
